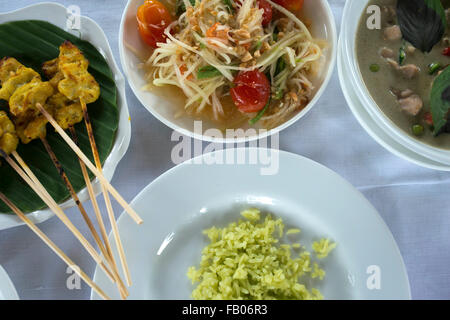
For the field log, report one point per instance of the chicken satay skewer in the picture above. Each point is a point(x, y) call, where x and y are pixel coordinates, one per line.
point(54, 247)
point(123, 291)
point(109, 208)
point(133, 214)
point(43, 194)
point(68, 73)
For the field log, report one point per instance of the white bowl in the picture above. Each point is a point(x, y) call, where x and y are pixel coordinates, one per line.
point(349, 66)
point(164, 107)
point(90, 31)
point(304, 193)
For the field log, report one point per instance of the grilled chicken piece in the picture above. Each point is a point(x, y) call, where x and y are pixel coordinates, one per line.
point(78, 85)
point(8, 66)
point(15, 80)
point(23, 102)
point(8, 136)
point(29, 129)
point(66, 112)
point(70, 72)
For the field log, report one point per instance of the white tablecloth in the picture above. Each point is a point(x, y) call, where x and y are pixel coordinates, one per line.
point(414, 202)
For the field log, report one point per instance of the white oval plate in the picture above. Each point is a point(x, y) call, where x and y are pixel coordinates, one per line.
point(90, 31)
point(164, 107)
point(373, 128)
point(196, 195)
point(7, 290)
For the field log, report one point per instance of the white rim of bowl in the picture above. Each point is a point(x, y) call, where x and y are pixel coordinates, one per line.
point(415, 145)
point(301, 114)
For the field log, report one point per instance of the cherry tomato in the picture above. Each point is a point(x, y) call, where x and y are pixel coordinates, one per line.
point(251, 91)
point(153, 17)
point(267, 15)
point(291, 5)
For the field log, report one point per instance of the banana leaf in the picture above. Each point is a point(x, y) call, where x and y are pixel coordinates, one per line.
point(33, 42)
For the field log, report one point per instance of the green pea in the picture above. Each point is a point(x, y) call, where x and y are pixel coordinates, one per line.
point(418, 129)
point(374, 67)
point(433, 67)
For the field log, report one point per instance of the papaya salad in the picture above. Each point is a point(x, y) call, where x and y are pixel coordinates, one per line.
point(250, 58)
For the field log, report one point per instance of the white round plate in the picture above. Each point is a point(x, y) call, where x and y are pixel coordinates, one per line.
point(198, 194)
point(372, 127)
point(89, 31)
point(164, 106)
point(7, 290)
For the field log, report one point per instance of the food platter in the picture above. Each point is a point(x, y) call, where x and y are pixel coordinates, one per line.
point(91, 32)
point(306, 194)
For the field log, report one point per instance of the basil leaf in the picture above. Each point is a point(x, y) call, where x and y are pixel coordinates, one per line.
point(422, 22)
point(208, 72)
point(440, 101)
point(181, 8)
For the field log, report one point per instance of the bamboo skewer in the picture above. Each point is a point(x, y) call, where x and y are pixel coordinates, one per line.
point(86, 218)
point(109, 208)
point(53, 246)
point(37, 187)
point(91, 167)
point(74, 195)
point(124, 291)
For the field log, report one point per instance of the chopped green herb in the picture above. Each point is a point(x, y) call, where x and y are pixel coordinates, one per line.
point(402, 54)
point(202, 45)
point(181, 8)
point(260, 113)
point(208, 72)
point(418, 129)
point(374, 67)
point(279, 93)
point(258, 45)
point(434, 67)
point(281, 65)
point(229, 5)
point(275, 34)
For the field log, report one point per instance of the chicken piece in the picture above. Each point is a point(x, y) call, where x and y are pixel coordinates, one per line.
point(393, 33)
point(71, 74)
point(66, 112)
point(78, 85)
point(29, 129)
point(23, 102)
point(51, 71)
point(408, 101)
point(16, 79)
point(8, 66)
point(389, 13)
point(8, 136)
point(412, 105)
point(409, 71)
point(387, 53)
point(69, 53)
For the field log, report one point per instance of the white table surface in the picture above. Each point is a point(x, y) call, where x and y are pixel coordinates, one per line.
point(414, 202)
